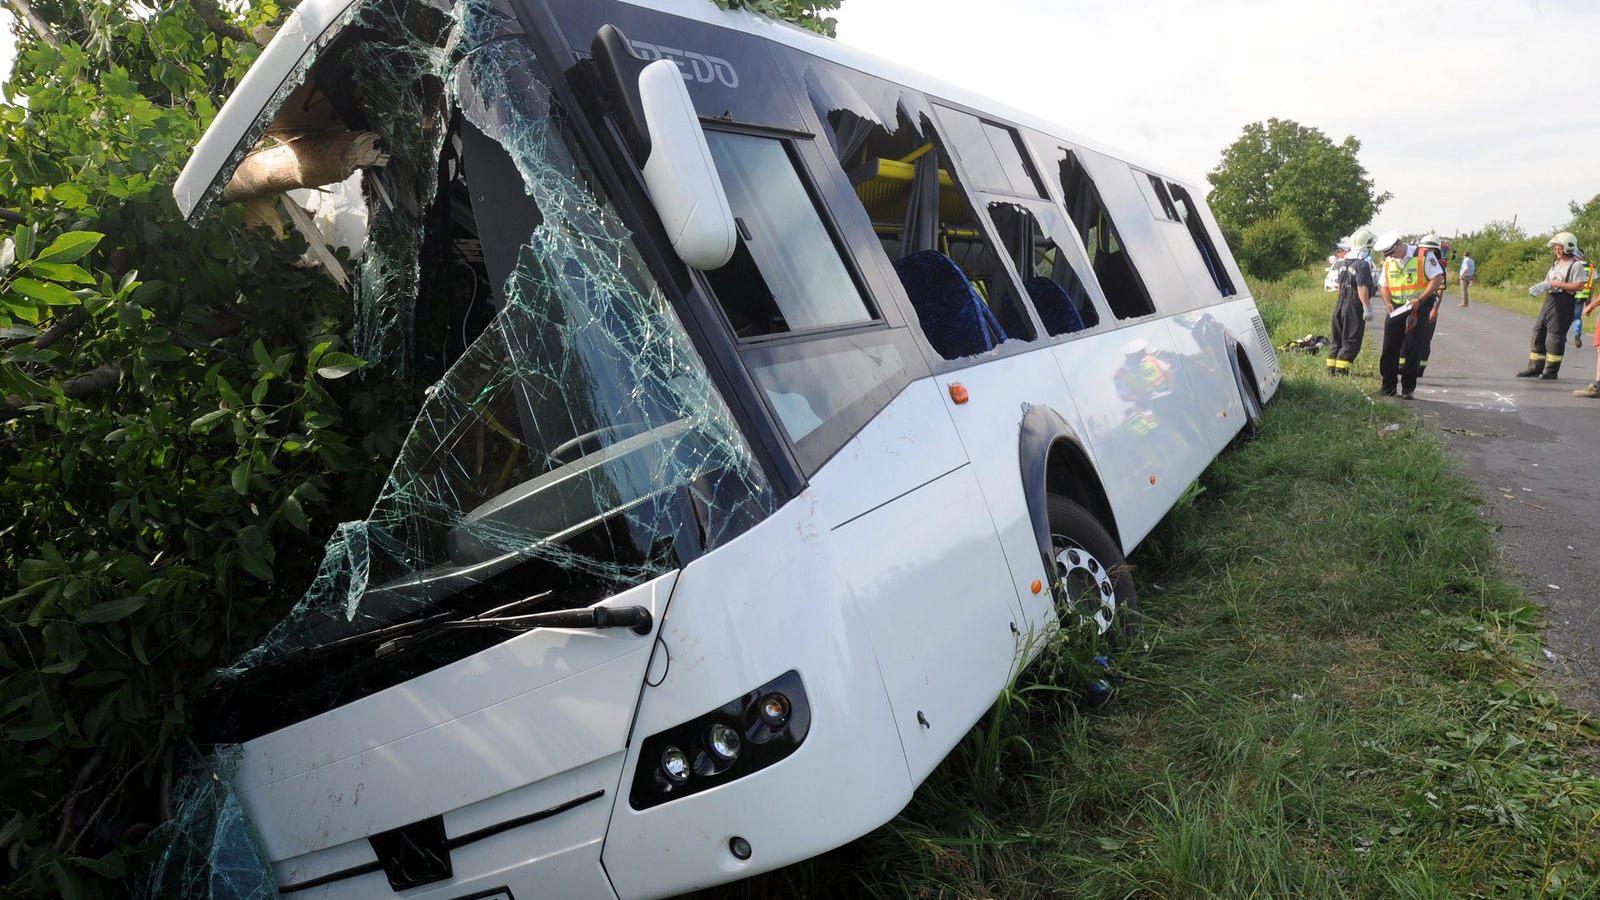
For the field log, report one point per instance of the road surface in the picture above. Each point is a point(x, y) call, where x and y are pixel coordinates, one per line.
point(1532, 446)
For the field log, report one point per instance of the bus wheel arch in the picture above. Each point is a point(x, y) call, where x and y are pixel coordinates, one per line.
point(1249, 386)
point(1055, 463)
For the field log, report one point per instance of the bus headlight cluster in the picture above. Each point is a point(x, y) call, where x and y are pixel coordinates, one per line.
point(742, 736)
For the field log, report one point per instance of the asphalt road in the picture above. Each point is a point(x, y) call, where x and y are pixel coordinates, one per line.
point(1531, 445)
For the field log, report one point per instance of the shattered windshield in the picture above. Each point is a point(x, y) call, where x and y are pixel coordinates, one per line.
point(576, 446)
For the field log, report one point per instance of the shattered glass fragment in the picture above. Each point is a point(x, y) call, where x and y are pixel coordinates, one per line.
point(575, 446)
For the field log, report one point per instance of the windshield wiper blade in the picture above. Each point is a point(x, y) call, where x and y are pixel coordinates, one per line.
point(635, 618)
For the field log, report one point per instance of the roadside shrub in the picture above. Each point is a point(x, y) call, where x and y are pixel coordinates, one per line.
point(1274, 247)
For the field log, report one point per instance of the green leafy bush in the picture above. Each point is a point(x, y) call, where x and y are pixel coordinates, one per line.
point(1275, 246)
point(175, 435)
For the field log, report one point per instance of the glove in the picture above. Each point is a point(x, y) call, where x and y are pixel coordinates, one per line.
point(1540, 289)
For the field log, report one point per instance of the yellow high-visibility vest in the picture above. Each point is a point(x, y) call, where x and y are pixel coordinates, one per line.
point(1407, 281)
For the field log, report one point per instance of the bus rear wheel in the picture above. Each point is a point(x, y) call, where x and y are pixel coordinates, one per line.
point(1093, 585)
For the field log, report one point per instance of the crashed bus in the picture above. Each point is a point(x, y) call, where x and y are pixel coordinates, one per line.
point(783, 398)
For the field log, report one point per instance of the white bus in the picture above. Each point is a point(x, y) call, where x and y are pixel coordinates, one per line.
point(779, 392)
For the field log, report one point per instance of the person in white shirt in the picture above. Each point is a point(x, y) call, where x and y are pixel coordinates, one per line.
point(1469, 274)
point(1410, 285)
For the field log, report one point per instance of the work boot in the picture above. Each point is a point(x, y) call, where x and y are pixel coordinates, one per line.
point(1534, 369)
point(1577, 340)
point(1551, 372)
point(1590, 390)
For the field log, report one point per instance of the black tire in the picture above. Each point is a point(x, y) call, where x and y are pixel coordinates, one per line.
point(1250, 396)
point(1099, 561)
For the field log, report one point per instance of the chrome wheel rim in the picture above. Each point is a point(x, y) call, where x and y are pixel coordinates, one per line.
point(1089, 592)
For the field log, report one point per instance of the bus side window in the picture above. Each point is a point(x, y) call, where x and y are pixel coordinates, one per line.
point(1202, 240)
point(1113, 267)
point(1052, 285)
point(965, 300)
point(805, 328)
point(786, 274)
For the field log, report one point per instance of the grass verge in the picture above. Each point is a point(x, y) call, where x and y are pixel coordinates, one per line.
point(1336, 694)
point(1504, 296)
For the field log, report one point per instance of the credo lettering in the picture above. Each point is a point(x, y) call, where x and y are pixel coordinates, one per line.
point(697, 67)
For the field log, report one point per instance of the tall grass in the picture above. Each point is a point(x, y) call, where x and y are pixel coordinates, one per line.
point(1335, 693)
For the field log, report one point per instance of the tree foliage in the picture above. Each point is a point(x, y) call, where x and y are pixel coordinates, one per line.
point(180, 425)
point(811, 14)
point(1281, 168)
point(171, 455)
point(1508, 255)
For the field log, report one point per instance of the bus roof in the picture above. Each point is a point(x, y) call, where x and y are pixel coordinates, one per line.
point(314, 23)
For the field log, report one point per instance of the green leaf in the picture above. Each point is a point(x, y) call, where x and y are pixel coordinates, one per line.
point(69, 247)
point(32, 731)
point(295, 514)
point(208, 421)
point(70, 195)
point(45, 292)
point(337, 364)
point(241, 478)
point(67, 272)
point(110, 611)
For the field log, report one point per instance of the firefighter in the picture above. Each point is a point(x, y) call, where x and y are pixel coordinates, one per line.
point(1353, 280)
point(1431, 243)
point(1410, 285)
point(1565, 278)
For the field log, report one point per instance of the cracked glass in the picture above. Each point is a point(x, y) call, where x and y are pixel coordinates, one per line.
point(573, 447)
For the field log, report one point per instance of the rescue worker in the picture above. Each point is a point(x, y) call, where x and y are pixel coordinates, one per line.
point(1410, 285)
point(1592, 389)
point(1581, 299)
point(1353, 280)
point(1431, 243)
point(1565, 278)
point(1330, 277)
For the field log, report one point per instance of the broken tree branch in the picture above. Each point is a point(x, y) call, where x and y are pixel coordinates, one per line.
point(34, 21)
point(210, 12)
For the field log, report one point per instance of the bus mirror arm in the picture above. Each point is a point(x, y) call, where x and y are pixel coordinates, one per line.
point(656, 117)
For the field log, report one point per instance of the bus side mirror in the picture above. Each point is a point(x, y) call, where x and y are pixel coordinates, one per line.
point(652, 109)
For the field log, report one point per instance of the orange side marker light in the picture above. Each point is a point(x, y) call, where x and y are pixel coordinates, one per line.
point(958, 392)
point(1152, 479)
point(1037, 585)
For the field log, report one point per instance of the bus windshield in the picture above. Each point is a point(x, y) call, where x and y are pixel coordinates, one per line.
point(577, 445)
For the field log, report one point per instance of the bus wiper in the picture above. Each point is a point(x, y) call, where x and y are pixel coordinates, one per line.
point(636, 618)
point(311, 652)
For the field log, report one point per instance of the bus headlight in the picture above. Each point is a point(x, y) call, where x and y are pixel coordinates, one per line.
point(742, 736)
point(724, 742)
point(675, 765)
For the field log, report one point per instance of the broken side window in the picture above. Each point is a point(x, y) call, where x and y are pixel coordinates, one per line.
point(965, 300)
point(1113, 267)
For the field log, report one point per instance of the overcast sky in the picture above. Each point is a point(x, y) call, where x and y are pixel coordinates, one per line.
point(1466, 126)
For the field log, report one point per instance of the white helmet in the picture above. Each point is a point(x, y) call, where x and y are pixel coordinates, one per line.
point(1362, 239)
point(1344, 244)
point(1386, 242)
point(1429, 240)
point(1566, 241)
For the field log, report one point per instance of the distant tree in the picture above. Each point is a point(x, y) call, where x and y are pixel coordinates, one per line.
point(1280, 167)
point(812, 14)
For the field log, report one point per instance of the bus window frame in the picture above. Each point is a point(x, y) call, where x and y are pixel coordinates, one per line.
point(618, 173)
point(1077, 258)
point(788, 141)
point(888, 323)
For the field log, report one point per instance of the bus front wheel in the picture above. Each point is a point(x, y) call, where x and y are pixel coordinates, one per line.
point(1093, 584)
